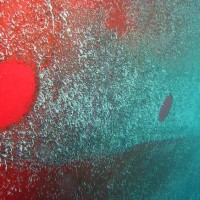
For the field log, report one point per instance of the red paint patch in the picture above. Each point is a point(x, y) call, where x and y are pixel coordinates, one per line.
point(28, 33)
point(31, 180)
point(17, 88)
point(118, 19)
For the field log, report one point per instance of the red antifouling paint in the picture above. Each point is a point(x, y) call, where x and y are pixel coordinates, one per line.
point(17, 88)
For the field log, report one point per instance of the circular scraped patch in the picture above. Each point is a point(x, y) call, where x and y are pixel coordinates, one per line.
point(17, 88)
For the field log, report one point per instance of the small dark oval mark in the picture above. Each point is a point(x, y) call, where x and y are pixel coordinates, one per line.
point(166, 106)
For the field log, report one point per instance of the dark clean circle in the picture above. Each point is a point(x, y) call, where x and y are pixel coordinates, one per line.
point(17, 88)
point(166, 106)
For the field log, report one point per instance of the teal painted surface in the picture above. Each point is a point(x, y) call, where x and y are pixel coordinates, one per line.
point(109, 108)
